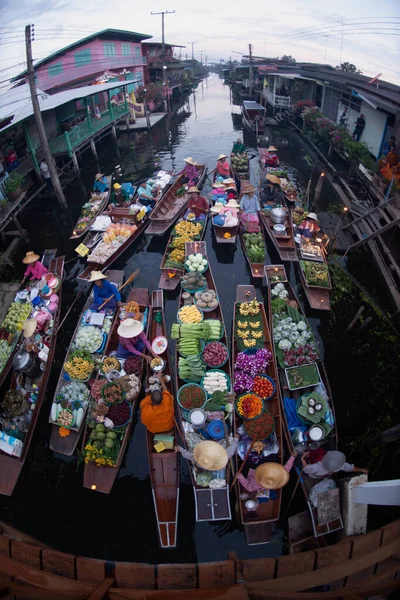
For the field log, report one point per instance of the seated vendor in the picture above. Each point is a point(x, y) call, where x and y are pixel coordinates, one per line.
point(35, 268)
point(271, 190)
point(132, 340)
point(103, 290)
point(197, 204)
point(238, 147)
point(223, 169)
point(332, 462)
point(189, 172)
point(100, 183)
point(157, 410)
point(119, 195)
point(309, 227)
point(270, 157)
point(249, 204)
point(209, 455)
point(146, 194)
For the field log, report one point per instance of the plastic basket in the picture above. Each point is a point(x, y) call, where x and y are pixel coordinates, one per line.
point(202, 344)
point(267, 433)
point(217, 371)
point(202, 289)
point(247, 418)
point(221, 364)
point(108, 385)
point(203, 271)
point(184, 387)
point(72, 424)
point(130, 415)
point(199, 309)
point(264, 376)
point(207, 310)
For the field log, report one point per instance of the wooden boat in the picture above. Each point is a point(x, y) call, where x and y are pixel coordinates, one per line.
point(283, 242)
point(118, 215)
point(11, 466)
point(290, 192)
point(102, 478)
point(240, 175)
point(258, 528)
point(66, 445)
point(164, 466)
point(219, 232)
point(171, 283)
point(256, 269)
point(331, 441)
point(100, 206)
point(210, 504)
point(48, 255)
point(318, 296)
point(171, 206)
point(253, 115)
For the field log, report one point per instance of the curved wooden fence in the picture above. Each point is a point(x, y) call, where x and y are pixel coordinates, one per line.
point(355, 568)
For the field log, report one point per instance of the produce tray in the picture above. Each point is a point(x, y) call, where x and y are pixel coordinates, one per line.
point(300, 367)
point(202, 345)
point(216, 371)
point(221, 364)
point(207, 310)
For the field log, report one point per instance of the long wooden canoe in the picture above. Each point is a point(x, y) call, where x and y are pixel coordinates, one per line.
point(48, 255)
point(118, 215)
point(219, 232)
point(171, 283)
point(256, 269)
point(211, 504)
point(171, 207)
point(102, 203)
point(240, 175)
point(318, 296)
point(164, 466)
point(331, 441)
point(284, 243)
point(66, 445)
point(258, 528)
point(11, 466)
point(102, 478)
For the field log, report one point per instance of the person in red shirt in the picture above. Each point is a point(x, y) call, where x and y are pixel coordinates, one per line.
point(223, 168)
point(197, 204)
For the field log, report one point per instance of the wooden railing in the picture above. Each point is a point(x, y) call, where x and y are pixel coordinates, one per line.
point(353, 569)
point(276, 100)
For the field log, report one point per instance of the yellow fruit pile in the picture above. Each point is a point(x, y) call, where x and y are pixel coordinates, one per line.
point(249, 308)
point(190, 314)
point(186, 228)
point(177, 256)
point(78, 368)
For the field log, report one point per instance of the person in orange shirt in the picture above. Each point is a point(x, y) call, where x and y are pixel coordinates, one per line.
point(157, 410)
point(222, 168)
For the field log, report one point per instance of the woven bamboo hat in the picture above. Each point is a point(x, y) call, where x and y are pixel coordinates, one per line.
point(96, 275)
point(29, 328)
point(216, 208)
point(193, 190)
point(98, 176)
point(210, 456)
point(273, 179)
point(130, 328)
point(190, 160)
point(272, 149)
point(271, 476)
point(228, 181)
point(30, 257)
point(249, 189)
point(232, 204)
point(221, 156)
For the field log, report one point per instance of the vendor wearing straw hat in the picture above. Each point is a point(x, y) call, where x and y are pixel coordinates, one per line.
point(103, 290)
point(189, 172)
point(197, 204)
point(271, 190)
point(249, 204)
point(270, 158)
point(332, 462)
point(35, 268)
point(100, 183)
point(132, 340)
point(309, 227)
point(267, 476)
point(223, 169)
point(209, 455)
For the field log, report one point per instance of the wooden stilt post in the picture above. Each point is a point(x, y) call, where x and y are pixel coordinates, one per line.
point(75, 163)
point(93, 147)
point(354, 321)
point(21, 231)
point(114, 132)
point(318, 189)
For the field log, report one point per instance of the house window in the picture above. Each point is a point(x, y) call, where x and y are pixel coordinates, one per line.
point(83, 57)
point(55, 69)
point(351, 102)
point(126, 49)
point(137, 51)
point(109, 49)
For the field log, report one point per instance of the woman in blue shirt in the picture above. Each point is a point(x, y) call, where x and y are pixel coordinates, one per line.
point(145, 194)
point(103, 290)
point(100, 183)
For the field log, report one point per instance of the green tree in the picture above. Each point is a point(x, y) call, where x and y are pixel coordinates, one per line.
point(347, 67)
point(288, 58)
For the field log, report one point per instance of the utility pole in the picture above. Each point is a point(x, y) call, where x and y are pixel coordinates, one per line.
point(164, 69)
point(193, 43)
point(201, 56)
point(250, 72)
point(39, 121)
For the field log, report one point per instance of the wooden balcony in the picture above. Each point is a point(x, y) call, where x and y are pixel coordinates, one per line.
point(275, 100)
point(70, 140)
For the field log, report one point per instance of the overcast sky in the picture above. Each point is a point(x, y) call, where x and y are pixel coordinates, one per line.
point(306, 29)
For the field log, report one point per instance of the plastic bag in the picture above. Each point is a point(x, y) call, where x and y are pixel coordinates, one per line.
point(322, 486)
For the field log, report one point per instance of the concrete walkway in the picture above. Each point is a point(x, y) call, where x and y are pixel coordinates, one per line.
point(141, 123)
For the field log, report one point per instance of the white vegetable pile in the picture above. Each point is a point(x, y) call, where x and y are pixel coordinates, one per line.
point(214, 381)
point(101, 223)
point(107, 325)
point(279, 291)
point(88, 338)
point(104, 251)
point(196, 262)
point(131, 385)
point(77, 395)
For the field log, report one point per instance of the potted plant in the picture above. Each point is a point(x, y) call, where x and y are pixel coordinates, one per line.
point(13, 185)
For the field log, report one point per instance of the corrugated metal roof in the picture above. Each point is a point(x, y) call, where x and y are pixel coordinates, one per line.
point(17, 103)
point(251, 105)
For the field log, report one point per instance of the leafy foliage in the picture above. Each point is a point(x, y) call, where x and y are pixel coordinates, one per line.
point(348, 67)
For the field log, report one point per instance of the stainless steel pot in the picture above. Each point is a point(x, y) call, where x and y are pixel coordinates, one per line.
point(278, 215)
point(27, 363)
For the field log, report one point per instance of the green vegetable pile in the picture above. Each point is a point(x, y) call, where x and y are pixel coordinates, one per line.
point(209, 329)
point(315, 273)
point(255, 247)
point(278, 306)
point(191, 369)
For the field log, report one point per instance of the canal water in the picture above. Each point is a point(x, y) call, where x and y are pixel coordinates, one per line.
point(49, 501)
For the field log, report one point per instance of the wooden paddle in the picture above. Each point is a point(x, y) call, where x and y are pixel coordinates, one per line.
point(243, 463)
point(131, 278)
point(68, 311)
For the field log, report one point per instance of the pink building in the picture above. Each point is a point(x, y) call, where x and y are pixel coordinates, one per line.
point(113, 52)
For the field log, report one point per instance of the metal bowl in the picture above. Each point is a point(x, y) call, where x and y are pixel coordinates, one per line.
point(278, 228)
